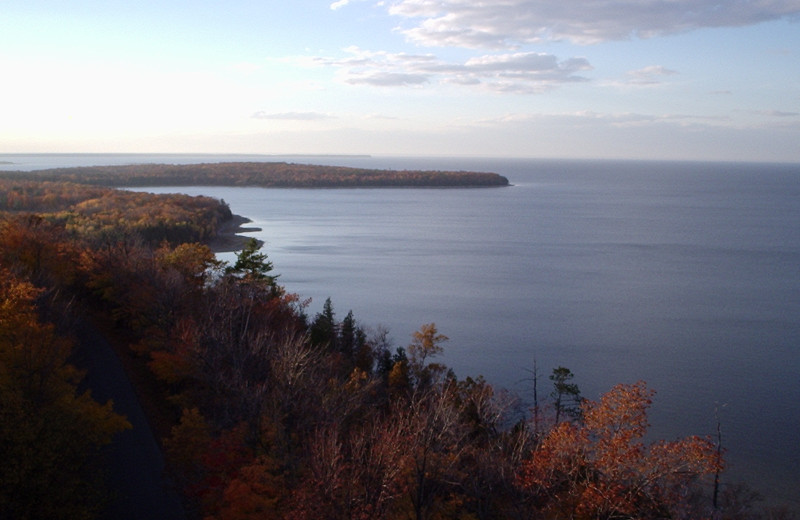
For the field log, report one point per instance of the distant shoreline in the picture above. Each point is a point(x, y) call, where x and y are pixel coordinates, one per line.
point(263, 174)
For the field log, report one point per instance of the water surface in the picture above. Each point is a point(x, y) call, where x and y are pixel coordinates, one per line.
point(685, 275)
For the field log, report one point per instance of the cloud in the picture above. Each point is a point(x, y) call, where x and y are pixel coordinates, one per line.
point(649, 75)
point(387, 79)
point(779, 113)
point(381, 117)
point(770, 113)
point(522, 72)
point(338, 4)
point(591, 119)
point(292, 116)
point(512, 23)
point(532, 66)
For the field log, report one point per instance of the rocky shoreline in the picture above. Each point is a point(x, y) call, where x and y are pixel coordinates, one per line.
point(228, 237)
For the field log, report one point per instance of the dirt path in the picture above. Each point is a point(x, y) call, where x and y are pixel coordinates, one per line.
point(135, 464)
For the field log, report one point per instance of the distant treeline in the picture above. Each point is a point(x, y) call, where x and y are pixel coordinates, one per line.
point(266, 174)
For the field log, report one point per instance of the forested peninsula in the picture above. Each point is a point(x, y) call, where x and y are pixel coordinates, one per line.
point(262, 411)
point(264, 174)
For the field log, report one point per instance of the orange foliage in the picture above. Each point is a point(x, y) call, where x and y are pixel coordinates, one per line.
point(602, 469)
point(47, 428)
point(231, 482)
point(254, 493)
point(39, 249)
point(34, 195)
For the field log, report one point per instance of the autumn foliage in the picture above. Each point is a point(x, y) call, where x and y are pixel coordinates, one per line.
point(601, 468)
point(266, 174)
point(48, 428)
point(267, 412)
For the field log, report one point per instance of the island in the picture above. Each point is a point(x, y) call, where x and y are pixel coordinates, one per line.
point(263, 174)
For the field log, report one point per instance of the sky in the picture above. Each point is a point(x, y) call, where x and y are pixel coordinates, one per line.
point(639, 79)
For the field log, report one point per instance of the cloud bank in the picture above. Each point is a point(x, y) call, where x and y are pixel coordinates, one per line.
point(509, 24)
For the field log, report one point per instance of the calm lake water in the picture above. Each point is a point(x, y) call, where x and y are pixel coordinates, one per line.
point(685, 275)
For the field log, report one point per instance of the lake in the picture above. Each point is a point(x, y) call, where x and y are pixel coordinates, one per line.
point(685, 275)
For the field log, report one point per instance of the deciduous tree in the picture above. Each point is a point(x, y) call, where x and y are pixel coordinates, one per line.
point(602, 469)
point(48, 429)
point(426, 343)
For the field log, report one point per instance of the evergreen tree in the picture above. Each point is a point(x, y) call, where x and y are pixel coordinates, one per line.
point(348, 336)
point(567, 396)
point(323, 329)
point(252, 264)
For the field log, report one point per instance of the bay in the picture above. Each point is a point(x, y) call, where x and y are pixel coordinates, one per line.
point(685, 275)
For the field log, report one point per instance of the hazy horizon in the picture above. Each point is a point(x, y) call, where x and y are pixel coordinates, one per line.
point(645, 79)
point(242, 157)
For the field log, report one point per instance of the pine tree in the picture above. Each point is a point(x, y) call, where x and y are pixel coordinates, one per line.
point(251, 264)
point(567, 395)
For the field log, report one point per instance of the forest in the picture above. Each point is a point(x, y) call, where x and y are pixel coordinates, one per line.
point(265, 174)
point(263, 411)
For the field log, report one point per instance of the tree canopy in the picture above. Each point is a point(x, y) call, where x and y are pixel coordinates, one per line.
point(267, 174)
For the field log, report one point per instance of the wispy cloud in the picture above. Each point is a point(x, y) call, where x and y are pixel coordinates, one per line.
point(386, 79)
point(588, 118)
point(292, 116)
point(523, 72)
point(779, 113)
point(339, 4)
point(649, 76)
point(770, 113)
point(511, 23)
point(381, 117)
